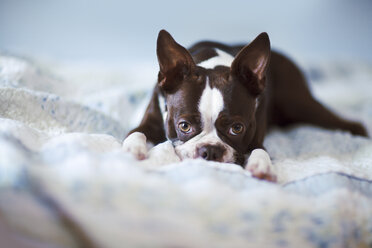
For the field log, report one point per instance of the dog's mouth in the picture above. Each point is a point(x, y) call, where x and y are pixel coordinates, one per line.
point(210, 152)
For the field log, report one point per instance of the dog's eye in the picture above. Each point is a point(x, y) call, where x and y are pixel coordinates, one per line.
point(236, 129)
point(185, 127)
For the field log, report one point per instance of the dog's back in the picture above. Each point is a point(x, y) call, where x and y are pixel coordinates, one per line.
point(287, 99)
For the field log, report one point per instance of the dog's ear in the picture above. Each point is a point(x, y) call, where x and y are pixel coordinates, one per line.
point(174, 60)
point(250, 65)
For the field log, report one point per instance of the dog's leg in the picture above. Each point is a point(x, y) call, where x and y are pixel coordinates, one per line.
point(312, 112)
point(151, 130)
point(293, 102)
point(259, 164)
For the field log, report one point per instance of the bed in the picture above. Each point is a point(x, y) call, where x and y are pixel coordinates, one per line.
point(66, 182)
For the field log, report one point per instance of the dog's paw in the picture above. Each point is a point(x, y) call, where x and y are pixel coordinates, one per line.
point(357, 128)
point(161, 154)
point(135, 144)
point(259, 164)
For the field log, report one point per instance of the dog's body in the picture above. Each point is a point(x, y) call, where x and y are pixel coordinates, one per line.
point(216, 102)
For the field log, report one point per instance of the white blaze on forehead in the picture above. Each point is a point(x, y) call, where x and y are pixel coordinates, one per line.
point(210, 105)
point(222, 58)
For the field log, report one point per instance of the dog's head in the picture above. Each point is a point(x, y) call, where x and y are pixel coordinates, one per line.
point(211, 105)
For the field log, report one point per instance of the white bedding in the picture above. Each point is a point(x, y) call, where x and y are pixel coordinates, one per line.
point(60, 158)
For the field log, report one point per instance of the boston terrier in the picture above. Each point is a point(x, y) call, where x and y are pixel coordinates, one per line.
point(216, 102)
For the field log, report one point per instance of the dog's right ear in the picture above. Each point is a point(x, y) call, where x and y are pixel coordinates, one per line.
point(251, 63)
point(174, 60)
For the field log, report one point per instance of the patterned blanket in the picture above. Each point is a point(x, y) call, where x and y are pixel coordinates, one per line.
point(65, 181)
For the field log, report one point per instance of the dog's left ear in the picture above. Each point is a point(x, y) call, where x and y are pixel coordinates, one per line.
point(175, 61)
point(250, 65)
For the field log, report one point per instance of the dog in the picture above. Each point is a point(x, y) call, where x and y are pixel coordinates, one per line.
point(216, 102)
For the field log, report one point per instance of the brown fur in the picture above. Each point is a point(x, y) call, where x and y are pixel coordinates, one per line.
point(256, 72)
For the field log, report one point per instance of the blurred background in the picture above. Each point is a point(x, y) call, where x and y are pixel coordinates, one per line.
point(124, 31)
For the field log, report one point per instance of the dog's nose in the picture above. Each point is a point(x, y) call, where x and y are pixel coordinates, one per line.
point(211, 152)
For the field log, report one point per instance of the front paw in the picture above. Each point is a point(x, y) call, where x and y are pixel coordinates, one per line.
point(259, 164)
point(135, 144)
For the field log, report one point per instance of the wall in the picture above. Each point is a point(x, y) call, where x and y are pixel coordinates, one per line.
point(116, 30)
